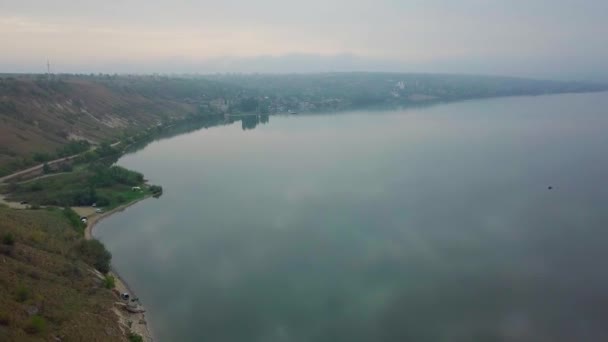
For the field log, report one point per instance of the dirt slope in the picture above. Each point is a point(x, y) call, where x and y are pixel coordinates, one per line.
point(38, 116)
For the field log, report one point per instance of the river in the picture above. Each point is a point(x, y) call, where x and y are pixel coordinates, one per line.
point(474, 221)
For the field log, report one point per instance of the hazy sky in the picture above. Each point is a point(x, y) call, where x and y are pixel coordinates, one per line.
point(544, 38)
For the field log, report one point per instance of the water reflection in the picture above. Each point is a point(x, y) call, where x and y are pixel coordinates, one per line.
point(251, 121)
point(432, 225)
point(248, 122)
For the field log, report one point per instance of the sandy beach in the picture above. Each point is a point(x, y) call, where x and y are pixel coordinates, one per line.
point(94, 218)
point(135, 322)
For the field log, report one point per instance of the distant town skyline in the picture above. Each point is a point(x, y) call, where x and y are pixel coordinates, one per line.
point(561, 39)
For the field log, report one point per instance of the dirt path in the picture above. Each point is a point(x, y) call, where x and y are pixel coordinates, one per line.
point(49, 175)
point(50, 163)
point(14, 205)
point(35, 168)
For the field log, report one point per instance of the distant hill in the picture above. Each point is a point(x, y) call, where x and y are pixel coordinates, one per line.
point(377, 89)
point(40, 115)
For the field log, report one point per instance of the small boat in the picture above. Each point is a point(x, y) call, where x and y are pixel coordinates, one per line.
point(130, 304)
point(134, 307)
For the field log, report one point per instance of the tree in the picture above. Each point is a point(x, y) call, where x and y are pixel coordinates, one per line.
point(133, 337)
point(41, 157)
point(95, 253)
point(46, 168)
point(109, 282)
point(73, 218)
point(8, 239)
point(37, 324)
point(249, 104)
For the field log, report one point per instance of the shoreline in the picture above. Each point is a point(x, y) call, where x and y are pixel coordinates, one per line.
point(129, 322)
point(97, 217)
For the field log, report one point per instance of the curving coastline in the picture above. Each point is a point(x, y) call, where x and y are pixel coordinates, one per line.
point(135, 322)
point(96, 217)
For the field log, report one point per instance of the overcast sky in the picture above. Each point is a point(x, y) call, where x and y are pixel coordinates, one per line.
point(541, 38)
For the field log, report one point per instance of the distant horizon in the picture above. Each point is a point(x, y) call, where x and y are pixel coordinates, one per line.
point(287, 73)
point(542, 39)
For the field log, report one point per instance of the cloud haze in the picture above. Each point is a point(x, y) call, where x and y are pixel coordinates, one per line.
point(543, 38)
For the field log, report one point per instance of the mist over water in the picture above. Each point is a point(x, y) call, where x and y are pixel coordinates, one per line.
point(432, 224)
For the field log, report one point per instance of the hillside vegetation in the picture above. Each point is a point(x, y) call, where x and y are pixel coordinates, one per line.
point(342, 91)
point(47, 290)
point(45, 117)
point(106, 187)
point(38, 117)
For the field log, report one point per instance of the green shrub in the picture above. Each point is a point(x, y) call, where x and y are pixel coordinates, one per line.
point(5, 319)
point(73, 147)
point(86, 157)
point(109, 282)
point(104, 150)
point(66, 167)
point(116, 175)
point(41, 157)
point(37, 324)
point(73, 218)
point(8, 239)
point(156, 189)
point(94, 253)
point(22, 294)
point(36, 186)
point(133, 337)
point(102, 201)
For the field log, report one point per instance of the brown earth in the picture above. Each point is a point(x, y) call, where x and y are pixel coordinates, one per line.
point(46, 292)
point(40, 116)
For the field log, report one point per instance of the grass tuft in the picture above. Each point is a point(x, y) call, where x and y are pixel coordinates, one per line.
point(133, 337)
point(8, 239)
point(36, 325)
point(23, 294)
point(109, 282)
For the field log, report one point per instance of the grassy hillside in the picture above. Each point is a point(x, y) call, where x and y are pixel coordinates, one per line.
point(47, 292)
point(40, 116)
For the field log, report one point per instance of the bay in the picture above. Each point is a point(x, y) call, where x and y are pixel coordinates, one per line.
point(424, 224)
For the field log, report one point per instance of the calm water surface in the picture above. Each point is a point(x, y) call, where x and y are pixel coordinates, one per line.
point(431, 224)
